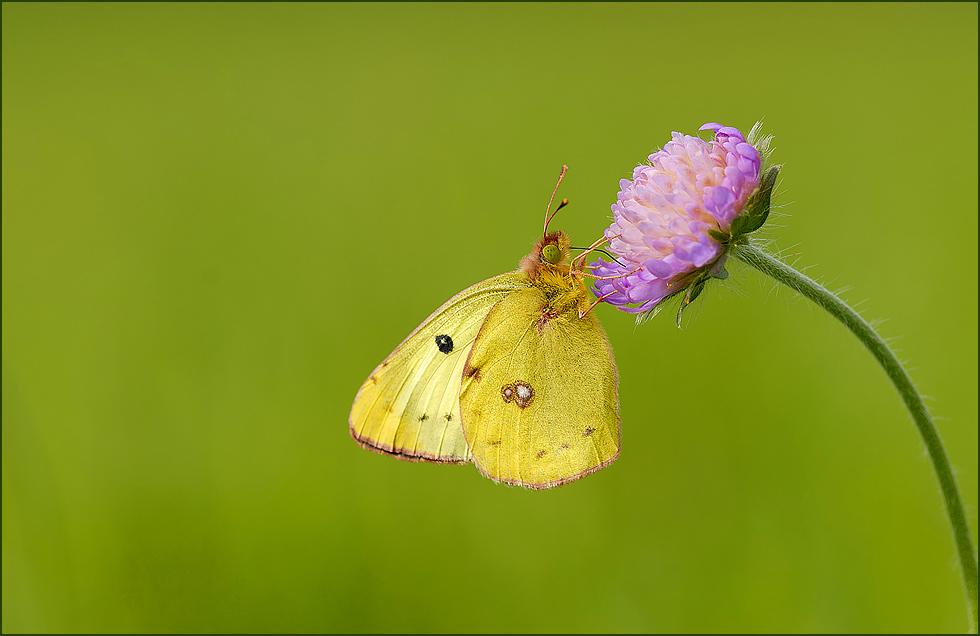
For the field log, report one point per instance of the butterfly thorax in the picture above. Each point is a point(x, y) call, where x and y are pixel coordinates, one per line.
point(563, 293)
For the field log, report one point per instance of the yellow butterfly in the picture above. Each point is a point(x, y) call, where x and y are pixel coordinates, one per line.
point(514, 373)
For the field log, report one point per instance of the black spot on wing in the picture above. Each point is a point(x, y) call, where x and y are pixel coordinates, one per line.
point(423, 417)
point(445, 343)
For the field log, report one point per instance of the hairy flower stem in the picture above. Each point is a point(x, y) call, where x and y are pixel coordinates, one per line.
point(913, 402)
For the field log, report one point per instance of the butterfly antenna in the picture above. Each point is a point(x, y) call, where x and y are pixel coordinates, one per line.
point(564, 202)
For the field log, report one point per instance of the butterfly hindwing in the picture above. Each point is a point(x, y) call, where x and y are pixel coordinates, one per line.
point(409, 406)
point(539, 392)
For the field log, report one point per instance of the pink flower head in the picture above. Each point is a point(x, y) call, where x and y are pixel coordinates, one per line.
point(664, 218)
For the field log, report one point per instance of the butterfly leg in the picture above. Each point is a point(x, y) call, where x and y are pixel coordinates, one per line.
point(597, 244)
point(594, 277)
point(583, 314)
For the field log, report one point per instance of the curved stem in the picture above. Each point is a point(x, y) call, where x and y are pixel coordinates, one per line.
point(913, 401)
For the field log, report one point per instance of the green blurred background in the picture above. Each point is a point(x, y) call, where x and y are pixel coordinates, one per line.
point(217, 219)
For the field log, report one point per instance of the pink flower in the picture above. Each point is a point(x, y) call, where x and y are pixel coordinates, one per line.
point(671, 222)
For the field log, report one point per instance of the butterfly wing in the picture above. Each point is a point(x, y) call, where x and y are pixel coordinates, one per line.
point(409, 406)
point(539, 394)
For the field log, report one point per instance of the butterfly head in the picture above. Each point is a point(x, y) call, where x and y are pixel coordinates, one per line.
point(552, 253)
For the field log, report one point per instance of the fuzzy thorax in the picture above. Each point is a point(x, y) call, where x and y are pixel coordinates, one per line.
point(564, 292)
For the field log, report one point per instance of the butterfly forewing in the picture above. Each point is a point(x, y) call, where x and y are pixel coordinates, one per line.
point(409, 406)
point(539, 394)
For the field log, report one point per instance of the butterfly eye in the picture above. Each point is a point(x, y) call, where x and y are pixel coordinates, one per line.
point(551, 253)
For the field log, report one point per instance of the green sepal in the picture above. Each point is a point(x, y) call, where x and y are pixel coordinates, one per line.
point(692, 293)
point(757, 208)
point(649, 314)
point(719, 236)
